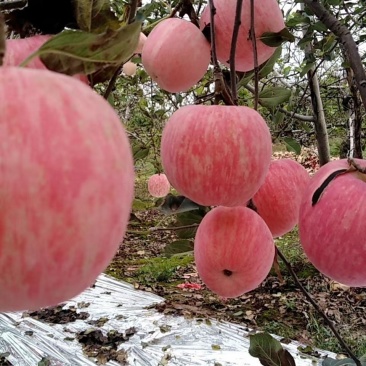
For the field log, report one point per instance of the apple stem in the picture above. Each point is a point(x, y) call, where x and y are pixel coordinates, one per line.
point(112, 83)
point(2, 38)
point(234, 41)
point(255, 55)
point(318, 309)
point(221, 91)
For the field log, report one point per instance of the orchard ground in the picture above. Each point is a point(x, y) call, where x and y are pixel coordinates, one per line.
point(276, 306)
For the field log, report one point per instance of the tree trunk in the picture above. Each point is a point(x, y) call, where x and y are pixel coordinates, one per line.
point(355, 116)
point(320, 126)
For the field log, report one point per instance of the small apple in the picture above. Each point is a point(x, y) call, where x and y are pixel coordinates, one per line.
point(278, 199)
point(176, 55)
point(158, 185)
point(233, 250)
point(129, 68)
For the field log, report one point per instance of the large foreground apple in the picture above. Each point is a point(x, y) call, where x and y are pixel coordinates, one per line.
point(66, 187)
point(278, 199)
point(216, 155)
point(176, 55)
point(332, 223)
point(267, 18)
point(233, 250)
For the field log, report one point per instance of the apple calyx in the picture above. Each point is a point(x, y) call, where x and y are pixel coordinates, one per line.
point(227, 272)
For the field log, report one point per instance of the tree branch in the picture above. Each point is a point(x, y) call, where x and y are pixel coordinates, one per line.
point(345, 37)
point(318, 309)
point(234, 40)
point(173, 228)
point(255, 55)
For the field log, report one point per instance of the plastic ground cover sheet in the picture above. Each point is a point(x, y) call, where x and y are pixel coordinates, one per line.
point(149, 338)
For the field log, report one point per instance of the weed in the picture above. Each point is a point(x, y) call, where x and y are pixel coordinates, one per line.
point(162, 269)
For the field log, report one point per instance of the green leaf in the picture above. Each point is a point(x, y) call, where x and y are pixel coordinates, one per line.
point(188, 218)
point(292, 145)
point(78, 52)
point(319, 26)
point(278, 117)
point(269, 351)
point(333, 2)
point(139, 205)
point(297, 19)
point(267, 67)
point(276, 39)
point(95, 16)
point(140, 152)
point(111, 100)
point(307, 67)
point(146, 10)
point(245, 78)
point(272, 97)
point(178, 247)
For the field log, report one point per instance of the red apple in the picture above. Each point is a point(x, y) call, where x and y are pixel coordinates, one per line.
point(278, 199)
point(216, 155)
point(176, 55)
point(129, 68)
point(332, 230)
point(267, 18)
point(158, 185)
point(141, 43)
point(17, 50)
point(233, 250)
point(66, 187)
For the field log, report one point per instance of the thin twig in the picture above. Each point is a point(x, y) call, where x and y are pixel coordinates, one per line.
point(212, 34)
point(112, 82)
point(2, 38)
point(132, 13)
point(318, 309)
point(234, 41)
point(173, 228)
point(255, 55)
